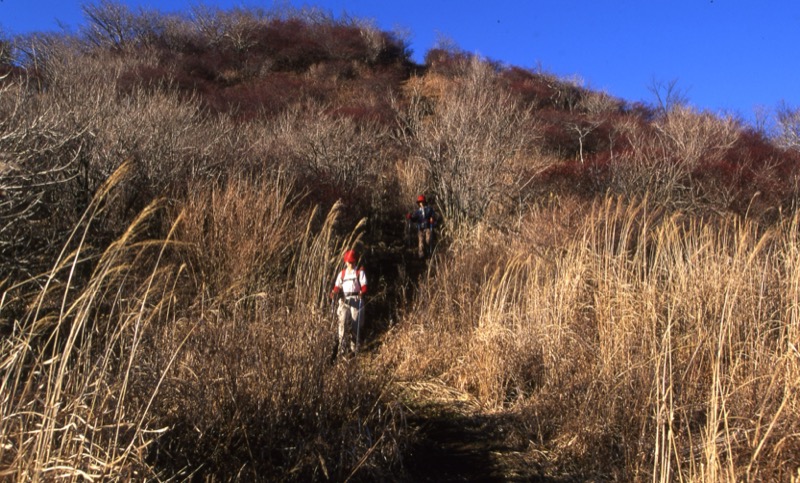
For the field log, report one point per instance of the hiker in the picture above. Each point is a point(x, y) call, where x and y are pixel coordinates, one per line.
point(424, 219)
point(352, 283)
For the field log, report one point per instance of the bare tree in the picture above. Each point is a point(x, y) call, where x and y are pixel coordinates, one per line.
point(112, 24)
point(668, 95)
point(109, 24)
point(583, 129)
point(788, 127)
point(467, 140)
point(665, 154)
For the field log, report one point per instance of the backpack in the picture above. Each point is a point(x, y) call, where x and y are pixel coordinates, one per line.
point(358, 272)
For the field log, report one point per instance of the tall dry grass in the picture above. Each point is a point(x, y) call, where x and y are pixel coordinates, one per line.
point(141, 371)
point(68, 362)
point(651, 347)
point(255, 391)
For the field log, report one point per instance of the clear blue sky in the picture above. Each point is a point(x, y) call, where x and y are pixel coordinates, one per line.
point(726, 55)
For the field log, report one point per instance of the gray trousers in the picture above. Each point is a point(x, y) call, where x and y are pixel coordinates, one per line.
point(351, 321)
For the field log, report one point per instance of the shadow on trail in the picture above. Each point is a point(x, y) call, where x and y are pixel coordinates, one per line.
point(452, 446)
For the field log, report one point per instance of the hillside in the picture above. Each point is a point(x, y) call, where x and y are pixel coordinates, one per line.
point(612, 294)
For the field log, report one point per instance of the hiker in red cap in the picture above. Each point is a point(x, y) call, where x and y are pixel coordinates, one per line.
point(352, 283)
point(424, 220)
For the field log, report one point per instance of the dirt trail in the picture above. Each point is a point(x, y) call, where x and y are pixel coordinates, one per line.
point(454, 446)
point(452, 440)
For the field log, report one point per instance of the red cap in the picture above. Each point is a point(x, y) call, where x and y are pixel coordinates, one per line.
point(350, 256)
point(421, 199)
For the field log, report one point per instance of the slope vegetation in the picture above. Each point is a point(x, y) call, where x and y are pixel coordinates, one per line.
point(612, 296)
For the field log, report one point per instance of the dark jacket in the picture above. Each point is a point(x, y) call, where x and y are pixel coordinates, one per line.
point(424, 217)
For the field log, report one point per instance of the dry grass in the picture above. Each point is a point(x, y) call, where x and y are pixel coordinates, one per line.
point(67, 364)
point(651, 347)
point(144, 370)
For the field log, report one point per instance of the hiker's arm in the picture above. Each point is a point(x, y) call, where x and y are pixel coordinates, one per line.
point(362, 281)
point(337, 285)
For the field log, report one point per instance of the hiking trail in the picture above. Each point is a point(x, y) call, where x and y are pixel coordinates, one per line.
point(452, 439)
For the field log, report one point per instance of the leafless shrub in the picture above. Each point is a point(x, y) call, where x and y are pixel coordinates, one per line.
point(162, 133)
point(158, 133)
point(468, 143)
point(665, 155)
point(788, 127)
point(596, 103)
point(335, 155)
point(6, 54)
point(112, 24)
point(43, 162)
point(234, 28)
point(44, 57)
point(694, 137)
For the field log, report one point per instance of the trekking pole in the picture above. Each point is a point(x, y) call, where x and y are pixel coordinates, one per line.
point(430, 241)
point(335, 328)
point(359, 320)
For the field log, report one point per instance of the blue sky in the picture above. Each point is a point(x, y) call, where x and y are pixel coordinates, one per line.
point(727, 56)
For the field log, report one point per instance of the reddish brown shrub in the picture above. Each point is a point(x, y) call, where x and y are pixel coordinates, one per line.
point(530, 88)
point(146, 76)
point(291, 44)
point(268, 96)
point(252, 65)
point(755, 176)
point(557, 138)
point(345, 42)
point(381, 114)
